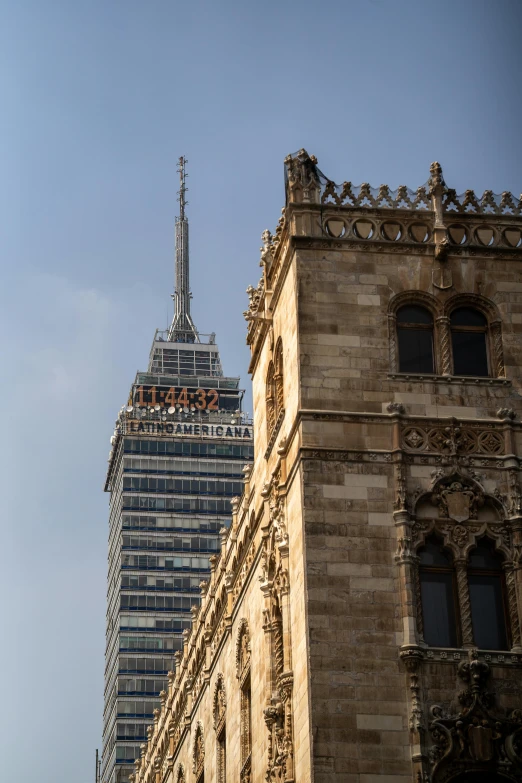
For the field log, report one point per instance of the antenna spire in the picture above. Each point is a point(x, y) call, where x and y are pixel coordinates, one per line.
point(182, 329)
point(182, 187)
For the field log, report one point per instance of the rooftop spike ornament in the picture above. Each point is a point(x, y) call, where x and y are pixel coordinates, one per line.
point(182, 329)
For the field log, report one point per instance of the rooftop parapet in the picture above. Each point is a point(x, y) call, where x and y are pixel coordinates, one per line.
point(431, 220)
point(165, 335)
point(306, 182)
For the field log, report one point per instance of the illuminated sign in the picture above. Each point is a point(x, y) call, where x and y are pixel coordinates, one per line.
point(189, 429)
point(185, 397)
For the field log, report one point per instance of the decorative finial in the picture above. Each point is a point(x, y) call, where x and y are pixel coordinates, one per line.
point(436, 178)
point(267, 249)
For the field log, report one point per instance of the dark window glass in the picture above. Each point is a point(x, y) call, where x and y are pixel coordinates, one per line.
point(432, 554)
point(411, 314)
point(468, 337)
point(466, 316)
point(438, 596)
point(483, 557)
point(415, 338)
point(486, 592)
point(469, 353)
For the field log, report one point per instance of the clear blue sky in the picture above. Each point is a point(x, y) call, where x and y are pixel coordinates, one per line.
point(98, 100)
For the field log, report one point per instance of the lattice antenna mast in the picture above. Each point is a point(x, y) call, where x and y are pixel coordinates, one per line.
point(182, 328)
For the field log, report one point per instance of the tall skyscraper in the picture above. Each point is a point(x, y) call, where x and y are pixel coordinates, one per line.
point(178, 453)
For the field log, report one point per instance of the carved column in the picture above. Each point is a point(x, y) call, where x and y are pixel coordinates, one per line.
point(514, 618)
point(517, 562)
point(392, 342)
point(444, 345)
point(407, 563)
point(412, 659)
point(284, 595)
point(418, 600)
point(515, 508)
point(279, 393)
point(267, 628)
point(285, 687)
point(498, 351)
point(278, 645)
point(514, 585)
point(285, 680)
point(464, 603)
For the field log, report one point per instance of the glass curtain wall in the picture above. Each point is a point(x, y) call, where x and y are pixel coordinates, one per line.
point(171, 489)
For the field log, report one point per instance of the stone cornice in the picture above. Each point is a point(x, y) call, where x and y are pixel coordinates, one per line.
point(314, 217)
point(316, 414)
point(454, 655)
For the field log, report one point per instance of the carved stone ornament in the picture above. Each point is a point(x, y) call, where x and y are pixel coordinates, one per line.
point(242, 649)
point(302, 176)
point(254, 298)
point(457, 500)
point(277, 745)
point(506, 413)
point(436, 179)
point(219, 706)
point(475, 740)
point(198, 751)
point(276, 506)
point(229, 579)
point(180, 776)
point(395, 407)
point(453, 441)
point(267, 255)
point(412, 657)
point(441, 254)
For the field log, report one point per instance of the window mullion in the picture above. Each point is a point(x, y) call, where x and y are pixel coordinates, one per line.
point(512, 606)
point(418, 600)
point(497, 352)
point(443, 345)
point(464, 603)
point(392, 342)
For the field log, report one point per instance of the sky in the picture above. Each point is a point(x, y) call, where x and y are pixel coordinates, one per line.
point(98, 100)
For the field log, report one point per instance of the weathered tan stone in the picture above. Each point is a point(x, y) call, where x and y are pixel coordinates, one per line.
point(320, 561)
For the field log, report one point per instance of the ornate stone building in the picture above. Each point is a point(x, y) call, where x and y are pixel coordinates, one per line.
point(362, 622)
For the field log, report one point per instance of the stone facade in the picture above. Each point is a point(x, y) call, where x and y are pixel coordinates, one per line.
point(308, 659)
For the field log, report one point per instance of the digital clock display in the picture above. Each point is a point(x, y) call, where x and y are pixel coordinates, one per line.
point(184, 397)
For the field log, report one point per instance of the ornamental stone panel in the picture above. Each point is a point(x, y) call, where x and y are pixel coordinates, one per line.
point(317, 601)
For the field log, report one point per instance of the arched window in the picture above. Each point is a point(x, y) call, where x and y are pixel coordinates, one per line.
point(270, 399)
point(219, 715)
point(438, 595)
point(275, 390)
point(469, 342)
point(488, 597)
point(279, 387)
point(415, 338)
point(243, 657)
